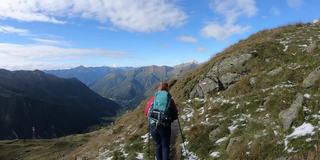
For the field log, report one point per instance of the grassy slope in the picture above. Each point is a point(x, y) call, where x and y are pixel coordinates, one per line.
point(256, 129)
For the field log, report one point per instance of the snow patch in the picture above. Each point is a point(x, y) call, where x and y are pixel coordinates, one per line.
point(315, 21)
point(140, 156)
point(303, 130)
point(308, 96)
point(145, 137)
point(221, 140)
point(215, 154)
point(232, 128)
point(188, 155)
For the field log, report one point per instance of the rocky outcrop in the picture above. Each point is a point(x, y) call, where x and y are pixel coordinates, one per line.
point(221, 75)
point(214, 135)
point(275, 71)
point(232, 143)
point(289, 115)
point(311, 79)
point(311, 47)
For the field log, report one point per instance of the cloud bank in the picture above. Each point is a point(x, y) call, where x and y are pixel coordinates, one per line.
point(231, 11)
point(137, 15)
point(41, 56)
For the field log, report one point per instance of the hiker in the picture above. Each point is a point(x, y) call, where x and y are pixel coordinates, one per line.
point(161, 111)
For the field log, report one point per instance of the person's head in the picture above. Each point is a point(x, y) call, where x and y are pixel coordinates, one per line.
point(163, 86)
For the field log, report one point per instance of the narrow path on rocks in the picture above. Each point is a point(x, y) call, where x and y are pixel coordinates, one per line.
point(174, 135)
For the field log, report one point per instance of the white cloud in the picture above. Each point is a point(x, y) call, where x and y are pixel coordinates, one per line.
point(222, 32)
point(274, 11)
point(18, 56)
point(231, 11)
point(187, 39)
point(138, 15)
point(13, 30)
point(295, 3)
point(201, 49)
point(53, 42)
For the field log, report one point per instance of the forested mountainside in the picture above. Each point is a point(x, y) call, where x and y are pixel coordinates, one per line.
point(128, 86)
point(34, 104)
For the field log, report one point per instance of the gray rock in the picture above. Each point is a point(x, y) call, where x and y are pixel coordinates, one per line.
point(229, 64)
point(196, 92)
point(275, 71)
point(229, 78)
point(207, 85)
point(311, 78)
point(281, 158)
point(312, 47)
point(227, 71)
point(203, 87)
point(232, 143)
point(289, 115)
point(234, 63)
point(214, 134)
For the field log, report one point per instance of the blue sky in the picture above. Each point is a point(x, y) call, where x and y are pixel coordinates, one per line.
point(52, 34)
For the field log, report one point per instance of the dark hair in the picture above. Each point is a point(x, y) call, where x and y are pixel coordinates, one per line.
point(163, 86)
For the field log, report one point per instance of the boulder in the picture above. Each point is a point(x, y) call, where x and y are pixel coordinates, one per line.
point(203, 87)
point(196, 92)
point(229, 78)
point(312, 47)
point(221, 75)
point(234, 63)
point(233, 142)
point(214, 135)
point(289, 115)
point(311, 79)
point(275, 71)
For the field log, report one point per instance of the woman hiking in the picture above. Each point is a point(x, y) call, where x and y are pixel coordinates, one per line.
point(161, 111)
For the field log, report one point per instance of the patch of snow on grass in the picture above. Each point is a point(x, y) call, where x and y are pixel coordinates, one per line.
point(140, 156)
point(279, 86)
point(215, 154)
point(221, 140)
point(260, 109)
point(199, 99)
point(285, 44)
point(232, 128)
point(201, 110)
point(188, 155)
point(145, 137)
point(303, 130)
point(308, 96)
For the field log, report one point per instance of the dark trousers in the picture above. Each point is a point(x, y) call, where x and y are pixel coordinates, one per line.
point(161, 136)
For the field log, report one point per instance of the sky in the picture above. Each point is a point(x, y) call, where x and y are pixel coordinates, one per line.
point(58, 34)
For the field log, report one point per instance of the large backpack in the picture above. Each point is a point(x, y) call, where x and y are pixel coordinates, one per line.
point(159, 112)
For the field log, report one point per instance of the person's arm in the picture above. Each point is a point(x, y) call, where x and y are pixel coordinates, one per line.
point(149, 103)
point(174, 110)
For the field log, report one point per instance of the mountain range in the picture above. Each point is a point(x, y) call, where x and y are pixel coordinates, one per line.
point(87, 75)
point(34, 104)
point(127, 86)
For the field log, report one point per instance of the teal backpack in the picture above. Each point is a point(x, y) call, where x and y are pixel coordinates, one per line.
point(159, 112)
